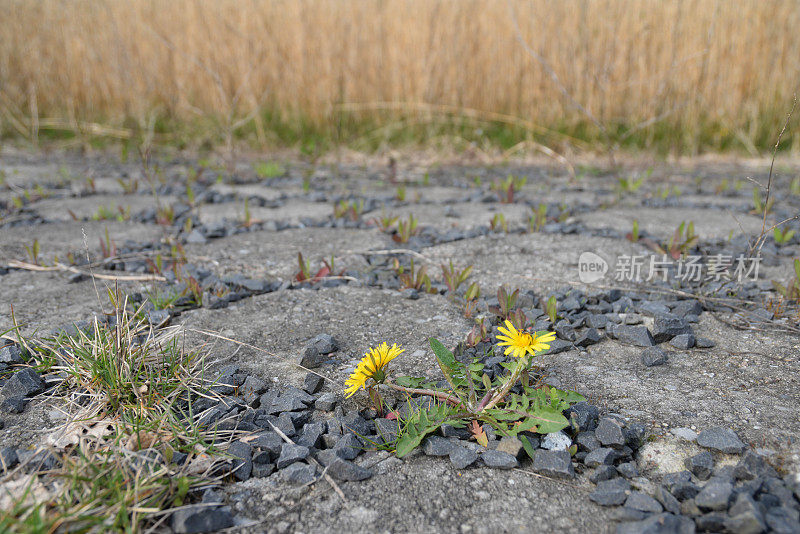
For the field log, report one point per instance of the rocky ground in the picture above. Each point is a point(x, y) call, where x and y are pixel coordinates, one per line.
point(696, 377)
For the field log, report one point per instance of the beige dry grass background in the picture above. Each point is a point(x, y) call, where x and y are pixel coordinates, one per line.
point(688, 74)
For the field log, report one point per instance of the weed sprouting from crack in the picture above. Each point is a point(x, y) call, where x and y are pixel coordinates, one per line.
point(129, 394)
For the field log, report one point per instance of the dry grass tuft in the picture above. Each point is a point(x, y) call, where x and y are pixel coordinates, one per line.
point(689, 74)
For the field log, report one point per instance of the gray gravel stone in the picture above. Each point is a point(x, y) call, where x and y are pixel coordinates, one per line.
point(609, 432)
point(462, 457)
point(683, 341)
point(643, 502)
point(344, 470)
point(511, 445)
point(637, 335)
point(685, 490)
point(752, 465)
point(664, 523)
point(387, 430)
point(667, 500)
point(584, 415)
point(437, 446)
point(596, 321)
point(291, 453)
point(746, 521)
point(603, 472)
point(653, 356)
point(590, 337)
point(201, 518)
point(611, 492)
point(587, 441)
point(499, 460)
point(714, 496)
point(556, 441)
point(720, 439)
point(671, 480)
point(666, 326)
point(311, 358)
point(556, 464)
point(701, 465)
point(704, 343)
point(326, 402)
point(782, 521)
point(13, 405)
point(601, 456)
point(325, 344)
point(313, 383)
point(348, 447)
point(243, 459)
point(628, 469)
point(24, 383)
point(299, 473)
point(559, 345)
point(10, 354)
point(682, 308)
point(311, 436)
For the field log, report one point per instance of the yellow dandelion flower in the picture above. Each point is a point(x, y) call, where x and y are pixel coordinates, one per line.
point(371, 366)
point(520, 343)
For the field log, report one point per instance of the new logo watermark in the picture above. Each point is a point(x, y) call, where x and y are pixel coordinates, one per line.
point(591, 267)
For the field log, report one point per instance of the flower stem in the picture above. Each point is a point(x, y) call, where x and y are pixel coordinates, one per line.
point(455, 401)
point(500, 395)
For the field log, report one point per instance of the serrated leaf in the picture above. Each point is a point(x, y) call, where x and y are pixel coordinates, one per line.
point(526, 444)
point(454, 371)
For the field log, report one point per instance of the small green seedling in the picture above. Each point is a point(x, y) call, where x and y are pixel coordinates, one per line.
point(551, 309)
point(759, 207)
point(782, 236)
point(269, 169)
point(406, 229)
point(506, 302)
point(538, 218)
point(453, 278)
point(33, 252)
point(633, 235)
point(498, 223)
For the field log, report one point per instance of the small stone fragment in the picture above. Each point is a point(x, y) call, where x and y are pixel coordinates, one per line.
point(291, 453)
point(721, 439)
point(637, 335)
point(667, 500)
point(511, 445)
point(344, 470)
point(601, 456)
point(701, 465)
point(312, 383)
point(664, 523)
point(201, 518)
point(24, 383)
point(752, 465)
point(299, 474)
point(603, 472)
point(556, 464)
point(243, 459)
point(611, 492)
point(643, 502)
point(609, 432)
point(462, 457)
point(499, 459)
point(714, 496)
point(653, 356)
point(326, 402)
point(628, 469)
point(556, 441)
point(437, 446)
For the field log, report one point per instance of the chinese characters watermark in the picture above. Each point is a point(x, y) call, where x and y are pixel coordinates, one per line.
point(696, 269)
